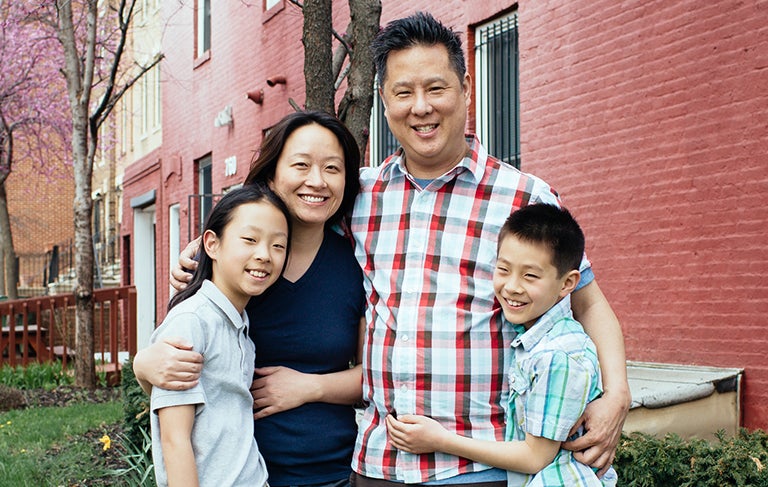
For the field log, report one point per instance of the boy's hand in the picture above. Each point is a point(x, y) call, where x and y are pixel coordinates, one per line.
point(415, 434)
point(602, 420)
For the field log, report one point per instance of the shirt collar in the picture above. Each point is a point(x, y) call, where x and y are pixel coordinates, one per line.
point(214, 294)
point(473, 163)
point(529, 338)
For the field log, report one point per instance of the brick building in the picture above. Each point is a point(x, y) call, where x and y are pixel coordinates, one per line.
point(42, 215)
point(649, 118)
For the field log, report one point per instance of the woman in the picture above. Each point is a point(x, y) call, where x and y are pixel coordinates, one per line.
point(306, 326)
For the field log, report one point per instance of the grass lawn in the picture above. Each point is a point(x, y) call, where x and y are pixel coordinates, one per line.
point(48, 446)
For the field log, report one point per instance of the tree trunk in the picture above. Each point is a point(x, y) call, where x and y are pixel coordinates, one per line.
point(355, 107)
point(85, 374)
point(318, 72)
point(8, 285)
point(9, 274)
point(79, 74)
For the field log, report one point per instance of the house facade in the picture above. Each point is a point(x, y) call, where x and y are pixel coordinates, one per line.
point(648, 118)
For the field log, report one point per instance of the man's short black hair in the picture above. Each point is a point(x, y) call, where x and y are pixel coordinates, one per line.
point(419, 29)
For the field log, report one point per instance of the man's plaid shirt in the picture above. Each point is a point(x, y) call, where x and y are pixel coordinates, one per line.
point(434, 343)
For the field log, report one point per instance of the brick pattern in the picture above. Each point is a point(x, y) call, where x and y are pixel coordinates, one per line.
point(649, 117)
point(41, 207)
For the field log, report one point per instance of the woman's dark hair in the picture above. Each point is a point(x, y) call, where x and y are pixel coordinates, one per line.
point(419, 29)
point(264, 164)
point(217, 221)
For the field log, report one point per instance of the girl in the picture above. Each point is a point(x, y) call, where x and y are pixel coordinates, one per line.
point(204, 435)
point(305, 389)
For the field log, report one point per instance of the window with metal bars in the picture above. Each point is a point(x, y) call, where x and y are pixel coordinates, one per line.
point(382, 142)
point(497, 80)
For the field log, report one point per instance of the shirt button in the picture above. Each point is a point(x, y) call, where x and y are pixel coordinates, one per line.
point(404, 338)
point(404, 388)
point(512, 380)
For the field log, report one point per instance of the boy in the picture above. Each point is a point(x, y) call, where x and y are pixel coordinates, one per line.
point(555, 373)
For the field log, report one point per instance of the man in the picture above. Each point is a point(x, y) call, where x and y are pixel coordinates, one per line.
point(425, 228)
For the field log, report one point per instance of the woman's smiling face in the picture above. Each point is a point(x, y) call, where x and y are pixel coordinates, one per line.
point(309, 175)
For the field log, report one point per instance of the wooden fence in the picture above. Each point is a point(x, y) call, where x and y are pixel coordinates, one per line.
point(42, 329)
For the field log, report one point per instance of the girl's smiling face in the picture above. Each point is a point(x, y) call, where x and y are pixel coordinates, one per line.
point(249, 255)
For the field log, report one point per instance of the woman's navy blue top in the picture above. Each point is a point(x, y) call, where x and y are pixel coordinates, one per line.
point(310, 325)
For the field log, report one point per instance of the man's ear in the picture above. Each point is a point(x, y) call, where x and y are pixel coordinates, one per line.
point(211, 243)
point(570, 281)
point(383, 101)
point(467, 87)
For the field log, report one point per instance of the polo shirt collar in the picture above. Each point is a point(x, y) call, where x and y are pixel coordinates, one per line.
point(530, 338)
point(214, 294)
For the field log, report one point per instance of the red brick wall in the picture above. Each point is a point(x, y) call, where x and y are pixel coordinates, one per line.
point(651, 119)
point(41, 210)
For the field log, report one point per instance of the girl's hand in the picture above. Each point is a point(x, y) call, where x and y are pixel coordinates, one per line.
point(415, 434)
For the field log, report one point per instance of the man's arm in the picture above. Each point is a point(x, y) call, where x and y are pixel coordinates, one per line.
point(604, 417)
point(419, 434)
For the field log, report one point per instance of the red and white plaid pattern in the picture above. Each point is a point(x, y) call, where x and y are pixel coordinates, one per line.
point(434, 344)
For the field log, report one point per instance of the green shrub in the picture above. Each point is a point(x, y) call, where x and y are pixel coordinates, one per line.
point(140, 470)
point(646, 461)
point(135, 406)
point(47, 375)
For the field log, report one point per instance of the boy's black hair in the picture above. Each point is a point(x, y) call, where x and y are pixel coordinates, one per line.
point(217, 221)
point(552, 227)
point(419, 29)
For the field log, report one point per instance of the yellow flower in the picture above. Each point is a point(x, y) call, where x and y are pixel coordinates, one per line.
point(107, 442)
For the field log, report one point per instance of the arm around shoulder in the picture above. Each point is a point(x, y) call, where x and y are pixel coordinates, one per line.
point(591, 309)
point(169, 363)
point(604, 417)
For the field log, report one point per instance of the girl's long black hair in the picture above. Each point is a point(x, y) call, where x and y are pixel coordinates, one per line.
point(218, 220)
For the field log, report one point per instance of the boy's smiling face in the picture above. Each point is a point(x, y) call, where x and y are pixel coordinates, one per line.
point(526, 281)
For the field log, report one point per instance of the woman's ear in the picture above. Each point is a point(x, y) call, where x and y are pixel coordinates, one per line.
point(570, 281)
point(211, 243)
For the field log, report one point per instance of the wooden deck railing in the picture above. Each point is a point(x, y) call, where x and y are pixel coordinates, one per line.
point(43, 328)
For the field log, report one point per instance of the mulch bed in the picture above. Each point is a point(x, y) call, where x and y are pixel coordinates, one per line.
point(66, 395)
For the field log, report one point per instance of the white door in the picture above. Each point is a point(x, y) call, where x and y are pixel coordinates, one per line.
point(144, 273)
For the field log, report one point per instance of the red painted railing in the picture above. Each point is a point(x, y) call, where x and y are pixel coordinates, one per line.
point(43, 328)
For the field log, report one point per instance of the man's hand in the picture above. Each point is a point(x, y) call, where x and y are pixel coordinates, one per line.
point(602, 420)
point(182, 272)
point(278, 389)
